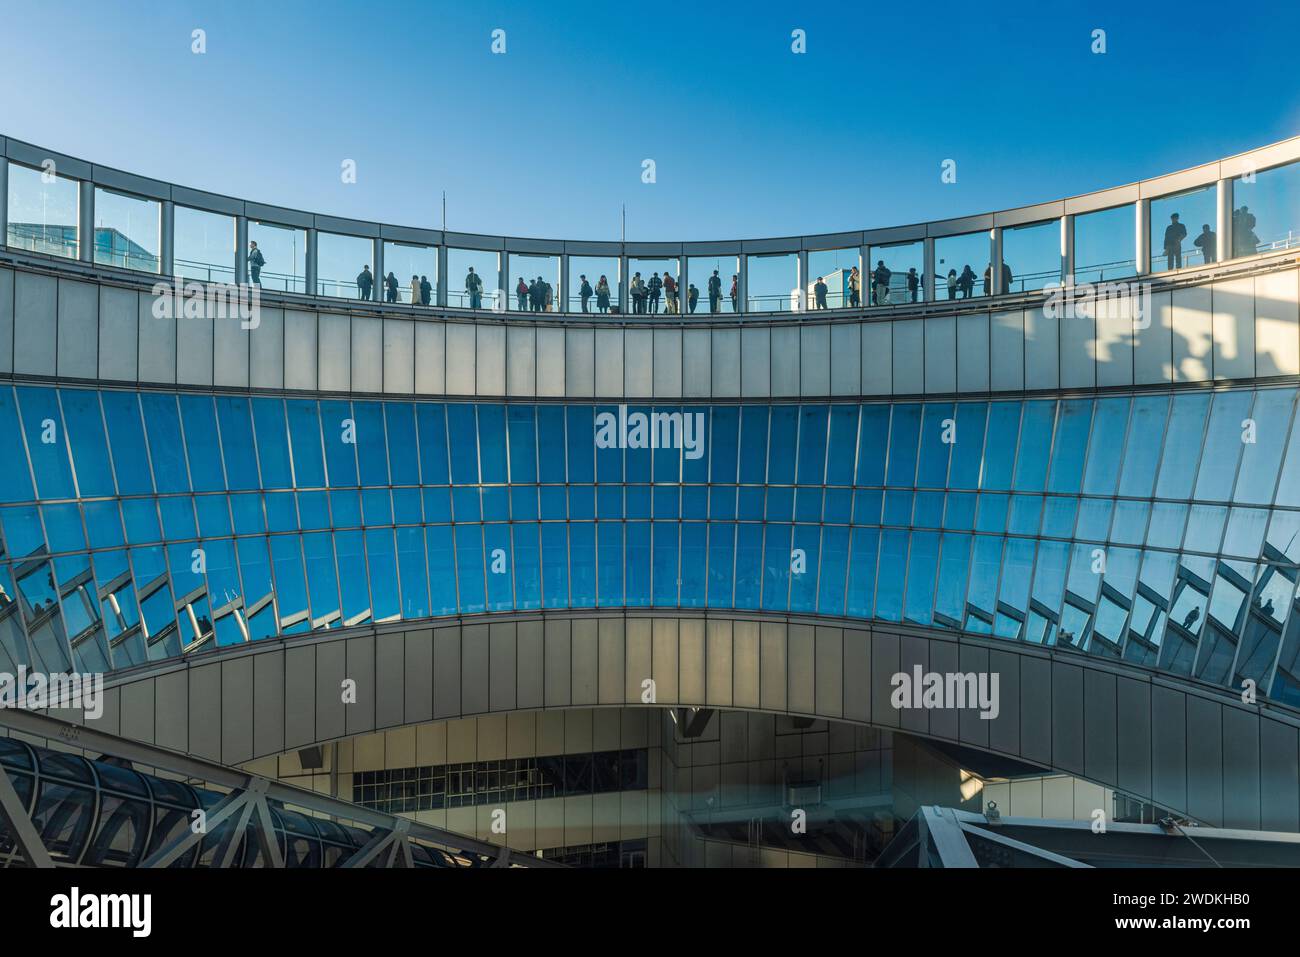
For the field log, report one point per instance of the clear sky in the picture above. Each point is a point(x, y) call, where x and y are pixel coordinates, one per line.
point(748, 138)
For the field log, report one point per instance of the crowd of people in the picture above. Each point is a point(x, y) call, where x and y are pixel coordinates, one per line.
point(646, 294)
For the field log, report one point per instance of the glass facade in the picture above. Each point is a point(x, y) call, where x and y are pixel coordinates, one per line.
point(1156, 528)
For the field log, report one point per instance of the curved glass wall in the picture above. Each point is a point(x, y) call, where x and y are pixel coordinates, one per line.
point(1157, 528)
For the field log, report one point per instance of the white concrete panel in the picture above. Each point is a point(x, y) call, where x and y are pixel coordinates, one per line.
point(1193, 334)
point(785, 361)
point(118, 326)
point(725, 363)
point(609, 363)
point(7, 320)
point(521, 360)
point(194, 350)
point(1234, 328)
point(697, 362)
point(334, 352)
point(1277, 324)
point(1042, 350)
point(909, 356)
point(846, 358)
point(78, 329)
point(460, 358)
point(941, 354)
point(266, 350)
point(973, 353)
point(367, 355)
point(491, 362)
point(1153, 342)
point(300, 349)
point(230, 345)
point(1078, 355)
point(399, 356)
point(1116, 330)
point(638, 363)
point(755, 362)
point(36, 324)
point(430, 358)
point(815, 360)
point(579, 362)
point(668, 363)
point(877, 358)
point(157, 338)
point(550, 362)
point(1007, 351)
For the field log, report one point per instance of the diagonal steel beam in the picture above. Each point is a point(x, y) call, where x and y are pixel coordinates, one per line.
point(14, 817)
point(382, 840)
point(234, 802)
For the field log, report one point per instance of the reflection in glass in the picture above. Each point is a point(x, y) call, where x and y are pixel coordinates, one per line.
point(126, 230)
point(43, 213)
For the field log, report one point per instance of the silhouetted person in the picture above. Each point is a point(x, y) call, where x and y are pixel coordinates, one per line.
point(735, 292)
point(637, 290)
point(1191, 619)
point(692, 296)
point(1007, 278)
point(365, 282)
point(602, 294)
point(255, 263)
point(855, 288)
point(474, 286)
point(670, 294)
point(1175, 233)
point(715, 292)
point(415, 290)
point(426, 291)
point(1244, 240)
point(1207, 243)
point(913, 284)
point(584, 292)
point(966, 281)
point(536, 294)
point(952, 283)
point(521, 294)
point(819, 293)
point(880, 284)
point(988, 279)
point(653, 288)
point(390, 284)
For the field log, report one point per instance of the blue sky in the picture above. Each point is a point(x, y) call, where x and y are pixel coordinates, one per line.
point(748, 138)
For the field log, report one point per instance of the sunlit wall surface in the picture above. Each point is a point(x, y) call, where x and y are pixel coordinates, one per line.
point(1161, 529)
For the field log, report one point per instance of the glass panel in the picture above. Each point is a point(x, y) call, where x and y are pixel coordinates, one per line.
point(204, 245)
point(1266, 210)
point(336, 258)
point(472, 279)
point(277, 256)
point(710, 278)
point(834, 279)
point(1181, 229)
point(43, 212)
point(1105, 244)
point(593, 283)
point(416, 271)
point(126, 231)
point(1031, 256)
point(534, 283)
point(960, 257)
point(771, 283)
point(649, 283)
point(893, 274)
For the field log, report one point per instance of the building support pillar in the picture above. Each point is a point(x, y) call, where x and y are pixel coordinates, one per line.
point(167, 239)
point(86, 222)
point(241, 250)
point(1067, 249)
point(742, 284)
point(562, 301)
point(995, 262)
point(929, 281)
point(378, 256)
point(4, 201)
point(441, 299)
point(801, 303)
point(311, 277)
point(1142, 239)
point(1223, 219)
